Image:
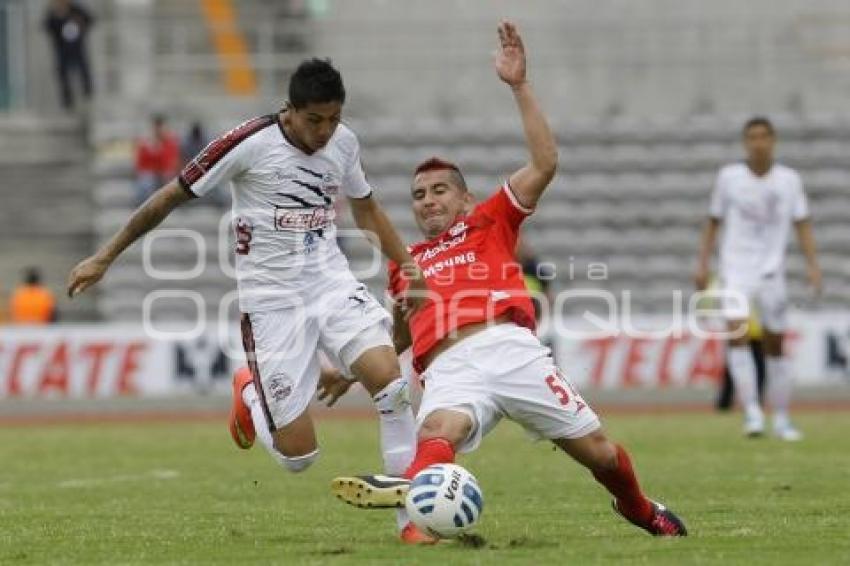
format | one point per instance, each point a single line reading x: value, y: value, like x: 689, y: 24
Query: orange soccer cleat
x: 241, y: 425
x: 411, y: 534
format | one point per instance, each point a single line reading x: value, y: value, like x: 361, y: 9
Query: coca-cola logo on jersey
x: 458, y: 231
x: 299, y: 219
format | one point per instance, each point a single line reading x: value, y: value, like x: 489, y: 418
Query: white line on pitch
x: 93, y: 482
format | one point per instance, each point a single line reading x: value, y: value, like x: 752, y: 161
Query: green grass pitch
x: 183, y: 494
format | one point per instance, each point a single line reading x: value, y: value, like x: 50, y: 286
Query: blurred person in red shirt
x: 157, y: 159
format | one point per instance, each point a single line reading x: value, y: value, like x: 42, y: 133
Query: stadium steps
x: 631, y: 198
x: 46, y: 216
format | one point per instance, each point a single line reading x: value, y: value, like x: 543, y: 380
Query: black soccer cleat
x: 371, y: 492
x: 664, y: 523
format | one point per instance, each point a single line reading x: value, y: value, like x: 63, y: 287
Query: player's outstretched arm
x: 709, y: 236
x: 371, y: 219
x: 401, y: 329
x: 529, y: 182
x: 146, y: 217
x: 807, y: 243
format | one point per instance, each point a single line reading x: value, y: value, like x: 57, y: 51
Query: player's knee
x: 454, y: 427
x: 297, y: 464
x: 595, y: 451
x: 606, y: 457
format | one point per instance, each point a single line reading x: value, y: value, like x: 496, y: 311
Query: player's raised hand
x: 85, y: 274
x: 510, y: 59
x: 332, y: 386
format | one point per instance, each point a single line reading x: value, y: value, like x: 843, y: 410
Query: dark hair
x: 315, y: 80
x: 32, y: 276
x: 759, y: 121
x: 437, y: 164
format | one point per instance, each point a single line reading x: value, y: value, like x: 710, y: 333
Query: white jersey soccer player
x: 296, y: 291
x: 757, y: 202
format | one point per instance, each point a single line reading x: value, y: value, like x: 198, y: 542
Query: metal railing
x: 13, y: 55
x: 181, y: 57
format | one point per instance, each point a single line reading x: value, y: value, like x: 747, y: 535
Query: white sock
x: 261, y: 426
x: 779, y: 385
x: 398, y: 432
x: 742, y: 366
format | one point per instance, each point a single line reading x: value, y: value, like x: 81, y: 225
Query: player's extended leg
x: 742, y: 367
x: 779, y: 385
x: 378, y: 370
x: 440, y: 434
x: 293, y: 445
x: 611, y: 466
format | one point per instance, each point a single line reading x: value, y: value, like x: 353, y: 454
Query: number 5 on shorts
x: 554, y: 382
x: 557, y: 389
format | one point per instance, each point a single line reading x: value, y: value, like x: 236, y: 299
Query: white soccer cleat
x: 784, y: 430
x: 753, y: 422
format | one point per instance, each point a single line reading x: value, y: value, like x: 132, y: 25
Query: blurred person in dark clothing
x: 538, y: 276
x: 67, y: 23
x: 194, y: 142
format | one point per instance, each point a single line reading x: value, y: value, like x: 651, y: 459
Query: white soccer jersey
x: 283, y: 209
x: 757, y: 213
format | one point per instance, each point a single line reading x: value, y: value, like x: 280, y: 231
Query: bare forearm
x: 807, y: 242
x: 709, y: 236
x: 401, y: 331
x: 144, y: 219
x: 538, y: 136
x: 373, y: 220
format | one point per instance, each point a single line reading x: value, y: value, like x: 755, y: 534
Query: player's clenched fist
x: 85, y: 274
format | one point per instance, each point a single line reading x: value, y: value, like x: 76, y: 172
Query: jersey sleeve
x: 394, y: 280
x: 218, y: 163
x: 719, y: 202
x: 354, y: 183
x: 504, y: 207
x: 800, y: 205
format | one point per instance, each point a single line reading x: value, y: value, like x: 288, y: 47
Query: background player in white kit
x: 296, y: 291
x: 757, y: 202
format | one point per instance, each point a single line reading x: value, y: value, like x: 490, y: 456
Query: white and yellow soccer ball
x: 444, y: 500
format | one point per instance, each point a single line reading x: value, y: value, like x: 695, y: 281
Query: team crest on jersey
x: 279, y: 386
x: 309, y: 239
x: 458, y: 229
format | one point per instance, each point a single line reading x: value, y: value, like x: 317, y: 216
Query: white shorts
x: 505, y: 371
x: 769, y: 294
x: 282, y: 346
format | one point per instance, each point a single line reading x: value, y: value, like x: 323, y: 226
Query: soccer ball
x: 444, y: 500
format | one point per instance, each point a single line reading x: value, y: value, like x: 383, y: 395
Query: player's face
x: 437, y: 201
x: 315, y: 123
x: 759, y: 143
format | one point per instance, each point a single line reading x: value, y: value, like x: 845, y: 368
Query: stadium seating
x: 632, y: 195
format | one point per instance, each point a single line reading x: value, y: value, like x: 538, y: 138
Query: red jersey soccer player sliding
x: 473, y: 339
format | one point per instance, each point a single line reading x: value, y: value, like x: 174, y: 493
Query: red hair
x: 435, y: 164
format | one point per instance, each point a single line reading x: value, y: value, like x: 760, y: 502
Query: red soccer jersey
x: 471, y: 272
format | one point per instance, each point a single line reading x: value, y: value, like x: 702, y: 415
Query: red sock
x: 430, y: 451
x: 623, y: 485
